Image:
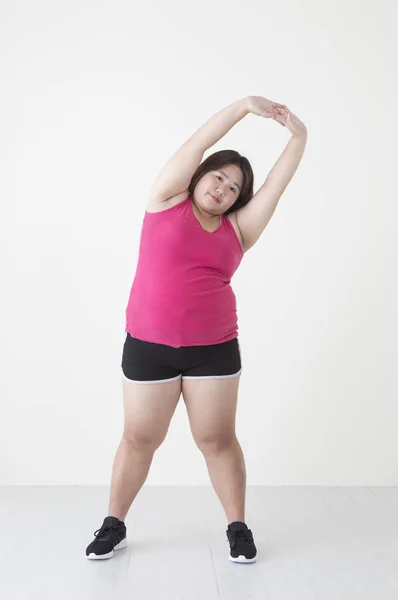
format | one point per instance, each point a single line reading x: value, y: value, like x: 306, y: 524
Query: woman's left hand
x: 291, y: 122
x: 258, y: 105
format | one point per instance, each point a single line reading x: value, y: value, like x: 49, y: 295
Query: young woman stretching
x: 181, y: 319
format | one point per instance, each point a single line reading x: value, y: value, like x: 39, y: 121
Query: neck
x: 204, y: 214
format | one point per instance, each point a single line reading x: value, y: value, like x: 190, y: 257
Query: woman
x: 181, y: 321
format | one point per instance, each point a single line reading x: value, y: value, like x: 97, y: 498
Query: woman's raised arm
x: 177, y: 173
x: 220, y: 123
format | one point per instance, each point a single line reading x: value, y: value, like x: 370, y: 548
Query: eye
x: 232, y: 188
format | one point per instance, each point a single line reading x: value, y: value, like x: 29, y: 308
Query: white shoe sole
x: 241, y: 559
x: 119, y: 546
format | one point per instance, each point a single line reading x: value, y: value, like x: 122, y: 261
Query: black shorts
x: 147, y: 362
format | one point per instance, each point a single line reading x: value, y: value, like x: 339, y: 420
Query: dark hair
x: 222, y: 158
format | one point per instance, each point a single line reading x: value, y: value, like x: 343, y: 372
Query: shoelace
x: 106, y: 533
x: 241, y: 534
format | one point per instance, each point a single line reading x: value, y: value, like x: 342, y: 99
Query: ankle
x: 117, y: 515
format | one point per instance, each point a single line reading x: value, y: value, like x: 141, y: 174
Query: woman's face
x: 222, y: 184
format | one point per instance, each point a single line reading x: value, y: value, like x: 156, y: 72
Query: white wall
x: 95, y: 97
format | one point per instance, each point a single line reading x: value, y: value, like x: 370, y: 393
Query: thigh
x: 210, y: 391
x: 151, y: 390
x: 148, y: 410
x: 211, y: 407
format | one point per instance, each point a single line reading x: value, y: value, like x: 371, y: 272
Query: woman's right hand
x: 258, y: 105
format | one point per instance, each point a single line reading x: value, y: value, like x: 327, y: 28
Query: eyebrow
x: 226, y: 177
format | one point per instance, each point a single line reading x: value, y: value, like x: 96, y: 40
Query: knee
x: 140, y: 440
x: 215, y: 444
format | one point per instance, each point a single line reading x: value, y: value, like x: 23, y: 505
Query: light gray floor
x: 314, y: 543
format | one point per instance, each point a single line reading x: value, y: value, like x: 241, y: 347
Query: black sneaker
x: 242, y: 548
x: 111, y: 536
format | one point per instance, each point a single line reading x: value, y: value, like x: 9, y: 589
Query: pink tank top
x: 181, y: 293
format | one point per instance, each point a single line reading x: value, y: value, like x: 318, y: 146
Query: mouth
x: 215, y: 199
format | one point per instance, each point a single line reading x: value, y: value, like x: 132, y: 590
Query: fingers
x: 277, y: 106
x: 281, y: 119
x: 278, y: 113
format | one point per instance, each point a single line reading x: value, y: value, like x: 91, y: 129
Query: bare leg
x: 226, y: 466
x: 147, y: 410
x: 130, y: 470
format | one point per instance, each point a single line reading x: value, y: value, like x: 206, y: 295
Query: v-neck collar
x: 200, y: 224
